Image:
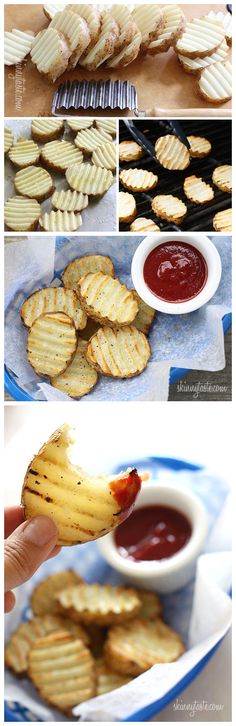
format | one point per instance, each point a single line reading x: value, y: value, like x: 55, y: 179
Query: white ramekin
x: 176, y: 571
x: 209, y: 252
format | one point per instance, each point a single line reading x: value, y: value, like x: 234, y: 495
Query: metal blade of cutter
x: 74, y: 95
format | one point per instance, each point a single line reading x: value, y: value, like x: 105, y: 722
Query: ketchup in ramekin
x: 153, y: 532
x: 175, y: 271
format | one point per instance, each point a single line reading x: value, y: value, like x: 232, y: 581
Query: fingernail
x: 40, y: 530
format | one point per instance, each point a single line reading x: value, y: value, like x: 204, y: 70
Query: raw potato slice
x: 128, y: 54
x: 92, y: 16
x: 17, y: 45
x: 51, y: 10
x: 43, y: 600
x: 151, y: 606
x: 89, y: 179
x: 21, y: 214
x: 107, y: 124
x: 199, y: 146
x: 130, y: 151
x: 46, y: 129
x: 24, y: 153
x: 58, y: 155
x: 197, y: 190
x: 171, y: 153
x: 68, y: 201
x: 172, y: 27
x: 105, y: 45
x: 52, y: 342
x: 50, y: 53
x: 126, y: 24
x: 215, y: 83
x: 149, y: 21
x: 222, y: 221
x: 108, y: 680
x: 77, y: 124
x: 60, y: 221
x: 79, y: 378
x: 8, y: 139
x: 82, y: 265
x: 127, y: 207
x: 145, y: 315
x: 141, y: 224
x: 201, y: 37
x: 119, y: 352
x: 196, y: 65
x: 76, y: 32
x: 222, y: 177
x: 63, y: 670
x: 34, y: 182
x: 99, y: 604
x: 138, y: 180
x: 20, y: 642
x: 105, y: 156
x: 89, y: 139
x: 135, y: 647
x: 84, y: 507
x: 106, y: 300
x: 170, y: 208
x: 226, y: 20
x: 53, y: 300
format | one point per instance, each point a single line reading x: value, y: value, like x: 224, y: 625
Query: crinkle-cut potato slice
x: 222, y: 177
x: 51, y: 344
x: 17, y: 45
x: 145, y: 315
x: 199, y: 146
x: 138, y: 180
x: 60, y: 221
x: 82, y: 265
x: 62, y: 669
x: 43, y: 600
x: 168, y: 207
x: 119, y: 352
x: 136, y: 646
x: 105, y: 156
x: 105, y: 45
x: 106, y: 300
x: 78, y: 124
x: 215, y: 83
x: 172, y: 27
x: 21, y: 214
x: 142, y: 224
x: 197, y: 190
x: 24, y: 153
x: 46, y: 129
x: 20, y: 642
x: 222, y: 221
x: 128, y: 54
x: 126, y: 207
x: 53, y: 300
x: 99, y: 604
x: 226, y: 20
x: 34, y: 182
x: 130, y: 151
x: 59, y: 155
x: 149, y: 20
x: 83, y: 507
x: 68, y: 201
x: 107, y: 124
x: 92, y: 16
x: 51, y: 10
x: 8, y: 139
x: 89, y: 139
x: 196, y: 65
x: 172, y: 153
x: 200, y: 37
x: 107, y: 679
x: 76, y: 32
x: 89, y: 179
x: 50, y: 53
x: 127, y: 25
x: 150, y: 605
x: 80, y: 377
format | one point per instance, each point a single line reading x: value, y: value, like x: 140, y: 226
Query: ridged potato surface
x: 21, y: 640
x: 99, y: 604
x: 51, y: 344
x: 119, y: 352
x: 83, y: 265
x: 79, y: 377
x: 43, y: 599
x: 106, y: 300
x: 134, y: 647
x: 53, y: 300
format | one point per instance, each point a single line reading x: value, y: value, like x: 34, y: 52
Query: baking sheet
x: 159, y: 80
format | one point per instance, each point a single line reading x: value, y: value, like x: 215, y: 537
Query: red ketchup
x: 152, y: 533
x: 125, y: 492
x: 175, y: 271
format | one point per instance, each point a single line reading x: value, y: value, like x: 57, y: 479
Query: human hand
x: 27, y: 544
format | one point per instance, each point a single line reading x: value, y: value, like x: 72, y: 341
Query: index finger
x: 13, y: 517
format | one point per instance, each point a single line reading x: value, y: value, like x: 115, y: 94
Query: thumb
x: 27, y: 547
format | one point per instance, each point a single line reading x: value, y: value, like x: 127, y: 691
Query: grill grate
x: 199, y: 217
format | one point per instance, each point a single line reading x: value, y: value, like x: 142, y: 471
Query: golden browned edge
x: 98, y: 318
x: 112, y: 274
x: 95, y: 365
x: 48, y: 313
x: 170, y: 218
x: 139, y: 189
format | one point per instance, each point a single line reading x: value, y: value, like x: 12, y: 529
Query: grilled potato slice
x: 82, y: 265
x: 138, y: 180
x: 89, y: 179
x: 197, y: 190
x: 119, y: 352
x: 142, y: 224
x: 127, y: 208
x: 130, y: 151
x: 63, y: 670
x: 199, y: 146
x: 53, y: 300
x: 222, y: 221
x: 20, y: 642
x: 151, y: 606
x: 98, y: 604
x: 222, y: 177
x: 43, y: 600
x: 107, y: 679
x: 136, y: 646
x: 83, y: 507
x: 170, y: 208
x: 145, y: 315
x: 106, y: 300
x: 52, y: 342
x: 80, y: 377
x: 171, y: 153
